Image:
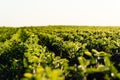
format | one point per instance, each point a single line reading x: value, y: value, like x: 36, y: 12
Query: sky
x: 59, y: 12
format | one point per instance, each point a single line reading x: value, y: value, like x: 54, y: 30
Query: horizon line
x: 63, y: 25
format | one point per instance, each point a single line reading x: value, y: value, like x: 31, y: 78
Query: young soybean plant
x: 99, y: 64
x: 44, y: 74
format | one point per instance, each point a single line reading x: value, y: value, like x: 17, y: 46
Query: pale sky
x: 59, y: 12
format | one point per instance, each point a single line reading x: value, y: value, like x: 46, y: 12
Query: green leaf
x: 28, y: 75
x: 107, y: 61
x: 88, y: 54
x: 113, y: 69
x: 91, y: 70
x: 83, y: 61
x: 104, y: 54
x: 118, y: 75
x: 95, y: 51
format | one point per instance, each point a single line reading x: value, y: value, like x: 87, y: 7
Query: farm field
x: 60, y: 53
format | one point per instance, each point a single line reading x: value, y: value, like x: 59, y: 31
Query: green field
x: 60, y: 53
